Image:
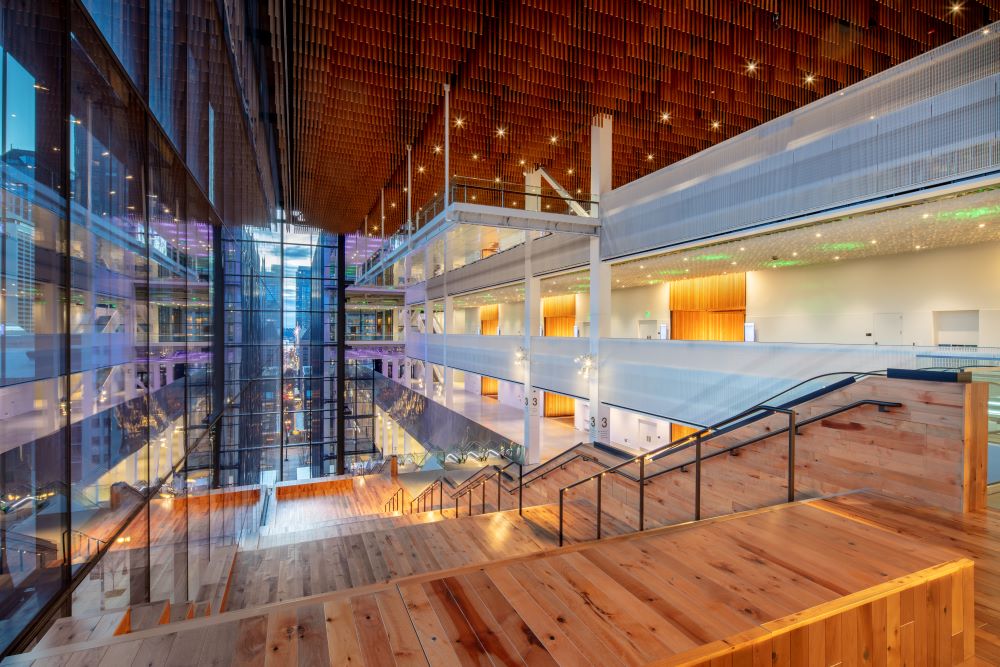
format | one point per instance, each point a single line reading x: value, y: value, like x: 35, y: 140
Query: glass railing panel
x: 451, y: 438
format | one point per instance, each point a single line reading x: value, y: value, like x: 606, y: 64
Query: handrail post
x: 600, y: 484
x: 520, y: 489
x: 697, y: 478
x: 456, y: 507
x: 483, y: 484
x: 791, y: 455
x: 469, y: 493
x: 561, y: 492
x: 498, y: 491
x: 642, y: 493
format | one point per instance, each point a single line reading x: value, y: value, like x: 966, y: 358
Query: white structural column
x: 447, y: 144
x: 395, y: 437
x: 532, y: 317
x: 532, y: 188
x: 409, y: 190
x: 446, y: 327
x: 600, y: 279
x: 600, y: 317
x: 600, y: 157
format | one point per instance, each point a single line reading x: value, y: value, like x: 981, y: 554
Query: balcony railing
x: 486, y: 193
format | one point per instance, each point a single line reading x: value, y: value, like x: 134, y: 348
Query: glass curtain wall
x: 119, y: 118
x: 281, y: 301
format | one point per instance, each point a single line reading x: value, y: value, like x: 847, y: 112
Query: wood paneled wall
x: 559, y: 315
x: 559, y: 326
x: 489, y: 319
x: 926, y: 452
x: 557, y: 405
x: 678, y: 431
x: 695, y: 325
x: 490, y: 386
x: 559, y: 306
x: 728, y: 292
x: 712, y: 308
x: 926, y: 618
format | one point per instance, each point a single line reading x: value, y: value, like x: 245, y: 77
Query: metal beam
x: 562, y: 192
x: 497, y: 216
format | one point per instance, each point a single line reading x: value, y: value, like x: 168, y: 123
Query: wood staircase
x: 758, y: 588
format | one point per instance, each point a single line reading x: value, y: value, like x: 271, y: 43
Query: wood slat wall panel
x: 557, y: 405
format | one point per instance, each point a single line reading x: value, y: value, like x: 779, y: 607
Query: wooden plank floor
x: 624, y: 601
x: 382, y: 550
x: 976, y: 536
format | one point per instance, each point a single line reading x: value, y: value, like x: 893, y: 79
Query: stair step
x: 148, y: 615
x: 80, y: 629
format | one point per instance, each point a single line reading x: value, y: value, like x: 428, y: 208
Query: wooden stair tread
x: 73, y: 629
x: 148, y: 615
x: 630, y: 600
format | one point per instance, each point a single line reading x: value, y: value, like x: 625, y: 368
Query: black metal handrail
x: 395, y: 501
x: 731, y: 450
x: 466, y: 488
x: 421, y: 498
x: 696, y: 440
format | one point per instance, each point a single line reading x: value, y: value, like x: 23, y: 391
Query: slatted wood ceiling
x: 367, y: 81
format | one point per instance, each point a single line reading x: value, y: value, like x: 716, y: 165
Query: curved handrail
x: 696, y: 439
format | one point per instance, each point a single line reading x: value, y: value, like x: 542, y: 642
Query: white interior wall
x: 625, y: 430
x: 510, y: 393
x: 583, y: 313
x: 581, y: 415
x: 628, y: 306
x: 512, y: 319
x: 837, y: 302
x: 473, y: 383
x: 467, y: 320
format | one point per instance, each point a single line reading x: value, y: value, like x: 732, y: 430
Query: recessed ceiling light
x: 570, y: 171
x: 751, y: 67
x: 925, y: 216
x: 641, y: 266
x: 818, y: 235
x: 553, y: 139
x: 810, y: 79
x: 437, y: 149
x: 521, y: 162
x: 795, y: 254
x: 475, y: 156
x: 955, y: 8
x: 665, y: 116
x: 733, y: 263
x: 459, y: 122
x: 917, y: 247
x: 715, y: 125
x: 501, y: 132
x: 420, y: 170
x: 742, y: 249
x: 649, y: 156
x: 982, y: 224
x: 836, y: 258
x: 874, y: 241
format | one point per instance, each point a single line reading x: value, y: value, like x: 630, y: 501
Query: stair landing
x: 794, y: 585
